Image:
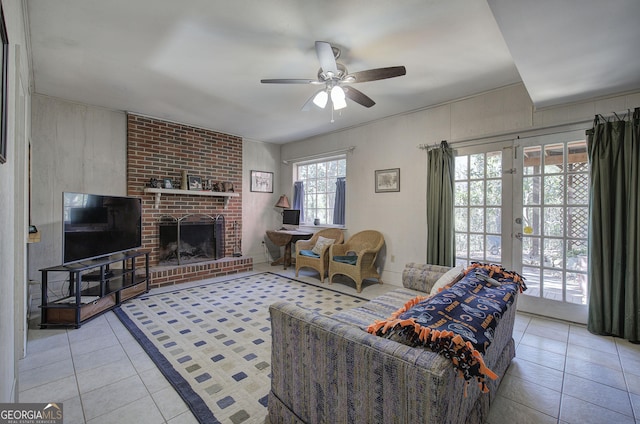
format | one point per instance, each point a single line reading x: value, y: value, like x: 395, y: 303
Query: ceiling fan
x: 335, y: 79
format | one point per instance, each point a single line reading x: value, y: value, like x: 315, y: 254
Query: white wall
x: 13, y: 209
x: 258, y: 211
x: 76, y: 148
x: 392, y: 143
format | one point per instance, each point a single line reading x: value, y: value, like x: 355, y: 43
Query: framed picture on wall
x: 4, y: 66
x: 195, y: 183
x: 387, y: 180
x: 262, y: 181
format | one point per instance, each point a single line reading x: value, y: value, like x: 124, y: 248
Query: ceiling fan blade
x: 376, y: 74
x: 290, y: 81
x: 358, y: 97
x: 326, y: 57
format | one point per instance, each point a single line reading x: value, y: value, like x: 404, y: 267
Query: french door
x: 524, y: 204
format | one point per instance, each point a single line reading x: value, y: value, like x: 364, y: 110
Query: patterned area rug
x: 213, y: 341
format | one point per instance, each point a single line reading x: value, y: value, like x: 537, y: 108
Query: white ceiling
x: 200, y: 62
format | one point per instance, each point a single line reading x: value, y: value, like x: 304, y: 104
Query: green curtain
x: 614, y: 234
x: 440, y: 226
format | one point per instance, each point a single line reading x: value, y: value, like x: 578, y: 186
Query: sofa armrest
x: 421, y: 277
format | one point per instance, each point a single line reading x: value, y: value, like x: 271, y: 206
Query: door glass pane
x: 476, y: 193
x: 462, y: 168
x: 478, y: 213
x: 531, y: 190
x: 494, y: 220
x: 577, y: 222
x: 476, y: 247
x: 532, y: 277
x: 476, y: 166
x: 461, y: 219
x: 531, y: 251
x: 532, y: 160
x: 462, y: 245
x: 553, y: 222
x: 476, y: 221
x: 494, y: 192
x: 462, y: 193
x: 494, y: 165
x: 553, y: 284
x: 531, y: 220
x: 553, y: 158
x: 555, y: 190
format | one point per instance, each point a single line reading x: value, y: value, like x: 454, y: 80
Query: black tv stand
x: 95, y: 287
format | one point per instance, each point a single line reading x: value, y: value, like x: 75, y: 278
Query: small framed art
x: 262, y: 181
x: 195, y: 183
x: 387, y: 180
x: 166, y: 183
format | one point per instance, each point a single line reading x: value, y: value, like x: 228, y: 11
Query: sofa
x: 329, y: 369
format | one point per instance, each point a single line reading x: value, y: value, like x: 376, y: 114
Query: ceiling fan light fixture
x: 320, y: 99
x: 338, y: 98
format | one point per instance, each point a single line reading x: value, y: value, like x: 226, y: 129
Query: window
x: 319, y: 182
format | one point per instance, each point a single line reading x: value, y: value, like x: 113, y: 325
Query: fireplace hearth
x: 190, y: 239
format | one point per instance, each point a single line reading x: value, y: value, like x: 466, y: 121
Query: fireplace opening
x: 191, y: 238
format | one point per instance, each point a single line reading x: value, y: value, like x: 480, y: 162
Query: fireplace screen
x: 190, y: 239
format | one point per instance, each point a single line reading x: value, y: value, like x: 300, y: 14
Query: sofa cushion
x: 459, y: 321
x: 448, y: 278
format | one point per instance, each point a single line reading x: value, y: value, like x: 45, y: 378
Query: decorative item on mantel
x: 183, y: 181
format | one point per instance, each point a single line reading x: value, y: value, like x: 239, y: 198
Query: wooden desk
x: 286, y: 238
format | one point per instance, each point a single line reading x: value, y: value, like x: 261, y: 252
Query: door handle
x: 518, y: 236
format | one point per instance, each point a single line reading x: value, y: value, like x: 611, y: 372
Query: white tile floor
x: 561, y: 374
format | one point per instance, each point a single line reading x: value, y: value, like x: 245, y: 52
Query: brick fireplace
x: 160, y: 149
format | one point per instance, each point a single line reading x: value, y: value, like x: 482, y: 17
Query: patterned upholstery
x: 320, y: 263
x: 422, y: 277
x: 329, y: 369
x: 366, y: 245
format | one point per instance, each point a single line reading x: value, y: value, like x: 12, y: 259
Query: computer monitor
x: 290, y: 218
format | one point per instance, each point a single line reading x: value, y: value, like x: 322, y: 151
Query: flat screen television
x: 96, y: 225
x: 291, y: 217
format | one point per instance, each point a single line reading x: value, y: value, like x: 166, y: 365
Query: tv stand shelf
x: 94, y: 287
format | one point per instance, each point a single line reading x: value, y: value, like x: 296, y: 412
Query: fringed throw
x: 459, y: 321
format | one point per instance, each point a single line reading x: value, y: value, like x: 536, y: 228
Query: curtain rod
x: 319, y: 155
x: 431, y: 146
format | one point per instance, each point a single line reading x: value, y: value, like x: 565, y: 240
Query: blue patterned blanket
x: 459, y: 321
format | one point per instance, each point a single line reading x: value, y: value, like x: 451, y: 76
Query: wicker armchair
x: 366, y: 245
x: 321, y: 262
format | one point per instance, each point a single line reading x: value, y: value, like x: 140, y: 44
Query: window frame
x: 329, y: 188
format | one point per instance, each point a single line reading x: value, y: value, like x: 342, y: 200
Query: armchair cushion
x: 309, y: 253
x: 349, y: 259
x: 321, y: 244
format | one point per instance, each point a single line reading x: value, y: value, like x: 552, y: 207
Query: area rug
x: 213, y: 341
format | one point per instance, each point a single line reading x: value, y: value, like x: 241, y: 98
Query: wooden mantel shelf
x: 160, y: 191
